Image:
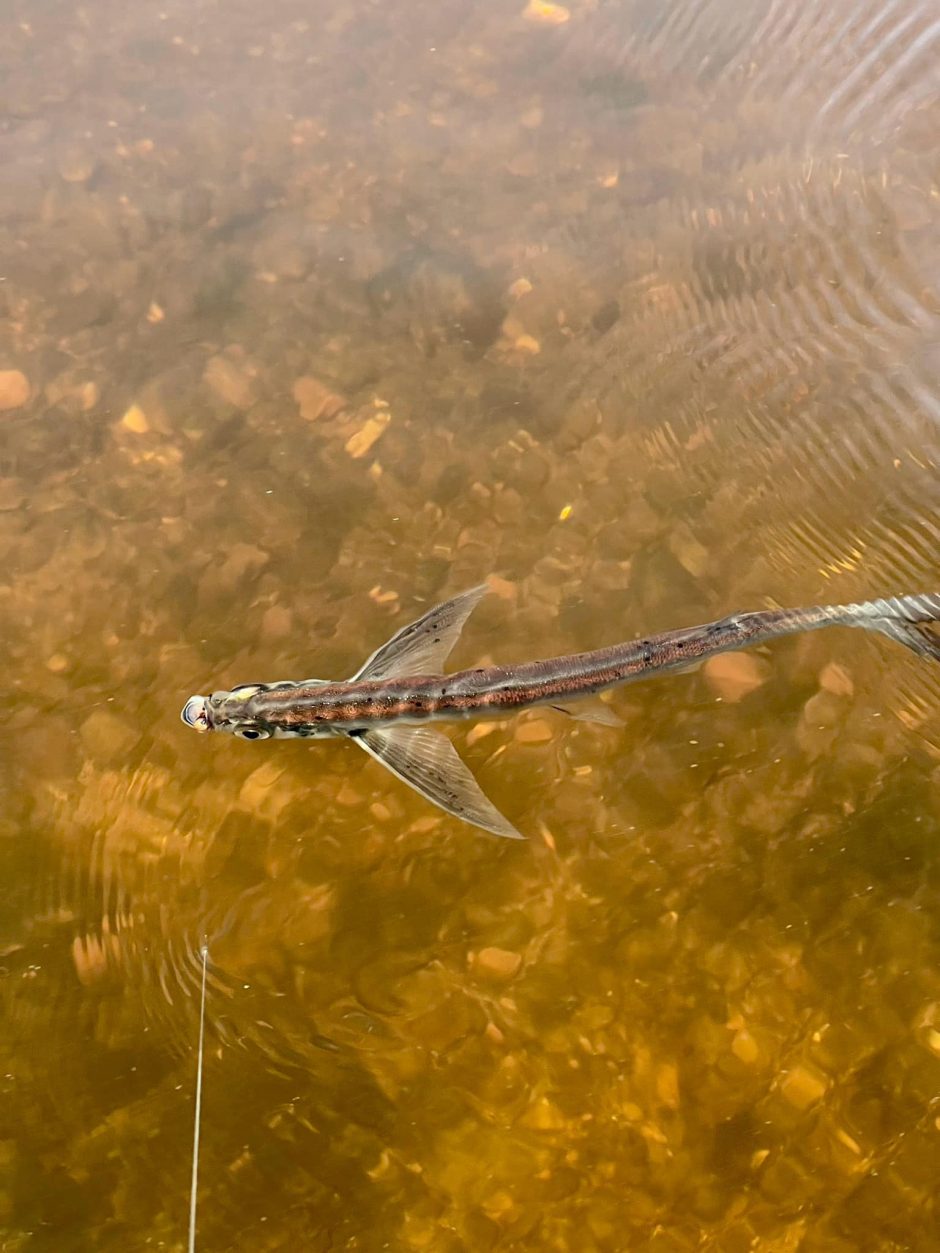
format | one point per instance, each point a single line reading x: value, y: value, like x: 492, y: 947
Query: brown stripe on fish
x: 402, y: 686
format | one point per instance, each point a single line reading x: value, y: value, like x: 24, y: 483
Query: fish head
x: 227, y: 711
x: 195, y: 713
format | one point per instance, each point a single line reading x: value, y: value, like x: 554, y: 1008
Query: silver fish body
x: 388, y: 705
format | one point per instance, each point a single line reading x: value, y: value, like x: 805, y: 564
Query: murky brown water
x: 314, y: 313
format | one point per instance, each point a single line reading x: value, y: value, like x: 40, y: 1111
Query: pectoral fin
x: 428, y: 762
x: 423, y: 646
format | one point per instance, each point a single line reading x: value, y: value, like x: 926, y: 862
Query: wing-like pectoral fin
x: 427, y: 761
x: 423, y: 646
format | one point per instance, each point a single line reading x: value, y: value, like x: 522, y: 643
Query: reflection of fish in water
x: 383, y: 706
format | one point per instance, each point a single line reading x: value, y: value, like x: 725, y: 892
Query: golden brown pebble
x: 231, y: 380
x: 372, y: 430
x: 732, y: 676
x: 135, y: 420
x: 14, y: 389
x: 500, y: 964
x: 545, y: 13
x: 315, y: 400
x: 543, y: 1115
x: 803, y: 1087
x: 534, y: 731
x: 837, y: 680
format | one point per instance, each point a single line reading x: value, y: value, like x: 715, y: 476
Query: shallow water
x: 313, y: 314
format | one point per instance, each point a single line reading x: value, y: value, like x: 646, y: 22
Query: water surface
x: 313, y: 314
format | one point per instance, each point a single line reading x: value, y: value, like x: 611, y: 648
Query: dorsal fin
x: 423, y: 646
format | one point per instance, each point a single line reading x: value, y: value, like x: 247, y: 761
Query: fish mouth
x: 195, y: 714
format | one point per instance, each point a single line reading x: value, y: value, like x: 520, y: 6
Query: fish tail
x: 906, y: 619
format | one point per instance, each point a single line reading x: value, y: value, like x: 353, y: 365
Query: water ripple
x: 841, y: 76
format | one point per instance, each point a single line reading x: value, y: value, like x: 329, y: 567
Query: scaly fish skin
x: 387, y: 705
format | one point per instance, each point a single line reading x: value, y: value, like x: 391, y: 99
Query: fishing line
x: 197, y: 1119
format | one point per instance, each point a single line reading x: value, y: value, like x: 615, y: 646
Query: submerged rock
x: 498, y: 964
x: 232, y: 380
x: 106, y: 737
x: 732, y: 676
x: 316, y: 400
x: 14, y: 389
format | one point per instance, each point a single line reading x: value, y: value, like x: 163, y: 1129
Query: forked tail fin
x: 907, y: 619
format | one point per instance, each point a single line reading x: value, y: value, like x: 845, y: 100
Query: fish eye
x: 251, y: 733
